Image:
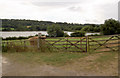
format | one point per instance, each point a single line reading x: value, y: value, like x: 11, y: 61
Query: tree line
x: 35, y: 25
x: 55, y: 29
x: 109, y: 27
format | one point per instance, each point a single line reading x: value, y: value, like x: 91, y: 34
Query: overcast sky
x: 71, y: 11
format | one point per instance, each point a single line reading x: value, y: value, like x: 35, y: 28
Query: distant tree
x: 88, y: 29
x: 6, y: 29
x: 55, y: 31
x: 97, y: 29
x: 85, y: 28
x: 22, y: 25
x: 110, y: 27
x: 78, y: 34
x: 76, y: 27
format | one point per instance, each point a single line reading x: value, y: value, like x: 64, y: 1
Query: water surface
x: 5, y: 34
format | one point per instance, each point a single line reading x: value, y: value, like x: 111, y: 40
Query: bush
x: 13, y: 48
x: 66, y: 35
x: 19, y: 38
x: 55, y: 31
x: 18, y: 46
x: 78, y: 34
x: 110, y: 27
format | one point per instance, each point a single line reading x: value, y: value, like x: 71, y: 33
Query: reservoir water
x: 24, y: 33
x: 5, y: 34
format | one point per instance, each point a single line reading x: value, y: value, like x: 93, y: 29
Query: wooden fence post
x: 88, y: 48
x: 24, y: 45
x: 119, y: 45
x: 39, y: 34
x: 7, y: 44
x: 67, y: 44
x: 86, y: 44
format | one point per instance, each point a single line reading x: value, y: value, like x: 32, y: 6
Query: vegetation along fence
x: 70, y: 44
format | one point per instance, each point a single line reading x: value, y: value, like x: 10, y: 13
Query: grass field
x: 59, y: 58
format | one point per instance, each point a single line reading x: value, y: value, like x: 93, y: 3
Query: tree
x: 55, y: 31
x: 78, y: 34
x: 97, y: 29
x: 22, y: 25
x: 88, y: 28
x: 66, y: 35
x: 110, y: 27
x: 76, y: 27
x: 85, y: 28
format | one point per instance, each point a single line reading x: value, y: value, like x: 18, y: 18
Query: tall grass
x: 17, y: 46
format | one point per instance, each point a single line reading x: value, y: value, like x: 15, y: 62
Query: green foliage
x: 55, y: 31
x: 76, y: 28
x: 97, y: 29
x: 34, y: 25
x: 78, y: 34
x: 66, y: 35
x: 21, y: 46
x: 110, y: 27
x: 4, y: 48
x: 85, y: 28
x: 91, y: 28
x: 13, y: 48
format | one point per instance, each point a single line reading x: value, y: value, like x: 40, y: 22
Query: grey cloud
x: 109, y: 10
x: 73, y: 8
x: 53, y: 4
x: 93, y: 20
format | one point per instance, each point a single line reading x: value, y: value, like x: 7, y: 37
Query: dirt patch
x: 37, y: 70
x: 88, y: 67
x: 5, y: 60
x: 81, y: 67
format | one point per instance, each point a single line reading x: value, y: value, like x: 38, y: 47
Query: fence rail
x: 103, y: 43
